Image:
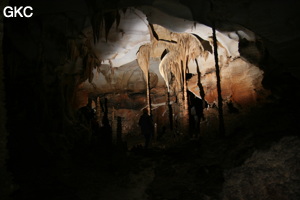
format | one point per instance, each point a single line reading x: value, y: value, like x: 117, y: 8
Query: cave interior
x: 220, y: 80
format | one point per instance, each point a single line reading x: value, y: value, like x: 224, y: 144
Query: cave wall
x: 6, y: 184
x: 38, y: 95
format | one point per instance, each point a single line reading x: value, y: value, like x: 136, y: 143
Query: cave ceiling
x: 277, y: 22
x: 147, y: 39
x: 109, y: 54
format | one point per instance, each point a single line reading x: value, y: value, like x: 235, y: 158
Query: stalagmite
x: 98, y: 111
x: 113, y: 124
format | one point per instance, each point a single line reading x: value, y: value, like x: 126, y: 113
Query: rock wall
x: 6, y: 185
x: 241, y: 83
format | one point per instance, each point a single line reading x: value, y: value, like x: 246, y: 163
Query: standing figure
x: 147, y: 127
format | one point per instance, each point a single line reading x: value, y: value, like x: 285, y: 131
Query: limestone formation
x: 141, y: 57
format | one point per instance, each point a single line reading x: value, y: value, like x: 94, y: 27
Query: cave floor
x: 181, y: 172
x: 188, y: 168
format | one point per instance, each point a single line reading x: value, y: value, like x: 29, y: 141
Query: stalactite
x: 220, y: 100
x: 183, y: 43
x: 97, y: 23
x: 89, y: 67
x: 171, y: 64
x: 118, y: 18
x: 185, y: 85
x: 165, y: 73
x: 201, y: 89
x: 90, y: 62
x: 73, y: 51
x: 187, y: 47
x: 180, y: 48
x: 109, y: 19
x: 106, y: 19
x: 143, y: 58
x: 149, y: 96
x: 190, y: 48
x: 178, y: 51
x: 124, y: 10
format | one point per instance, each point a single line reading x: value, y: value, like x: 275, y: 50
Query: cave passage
x: 77, y: 78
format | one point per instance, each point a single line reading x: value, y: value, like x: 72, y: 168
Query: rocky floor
x: 253, y: 163
x: 193, y: 169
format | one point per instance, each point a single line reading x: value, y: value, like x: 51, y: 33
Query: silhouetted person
x: 86, y: 114
x: 106, y: 128
x: 196, y: 118
x: 147, y: 127
x: 196, y: 112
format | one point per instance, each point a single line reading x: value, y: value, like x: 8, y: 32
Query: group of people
x: 87, y: 116
x: 145, y: 122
